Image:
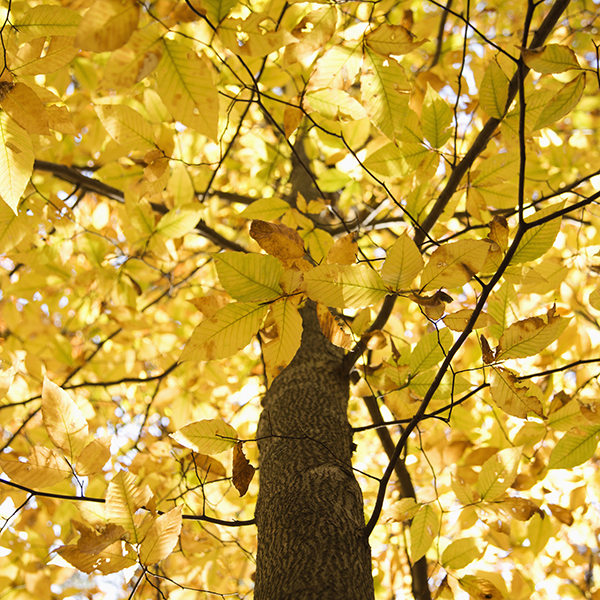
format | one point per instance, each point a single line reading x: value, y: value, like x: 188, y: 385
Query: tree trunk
x: 309, y: 513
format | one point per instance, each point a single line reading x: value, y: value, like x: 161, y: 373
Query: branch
x: 418, y: 570
x: 75, y: 176
x: 102, y: 501
x: 485, y: 135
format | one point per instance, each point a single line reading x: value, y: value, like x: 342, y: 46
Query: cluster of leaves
x: 188, y: 175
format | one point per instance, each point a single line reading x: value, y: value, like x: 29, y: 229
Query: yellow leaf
x: 384, y: 90
x: 343, y: 251
x: 457, y: 321
x: 123, y: 499
x: 24, y: 106
x: 107, y: 25
x: 553, y: 58
x: 337, y: 68
x: 248, y: 37
x: 180, y: 220
x: 402, y: 264
x: 161, y: 537
x: 460, y: 553
x: 436, y: 118
x: 64, y: 422
x: 530, y: 336
x: 423, y: 530
x: 135, y: 60
x: 562, y: 103
x: 498, y: 473
x: 277, y: 239
x: 286, y: 333
x: 44, y: 468
x: 243, y: 471
x: 126, y: 126
x: 207, y: 437
x: 515, y: 397
x: 116, y: 557
x: 452, y: 265
x: 392, y: 39
x: 59, y: 119
x: 493, y: 93
x: 249, y: 277
x: 345, y: 286
x: 34, y: 58
x: 227, y: 331
x: 16, y: 161
x: 93, y: 457
x: 186, y: 87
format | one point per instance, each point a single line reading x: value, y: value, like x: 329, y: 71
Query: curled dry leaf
x: 243, y: 471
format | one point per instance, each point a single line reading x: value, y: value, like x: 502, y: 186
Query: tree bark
x: 309, y: 514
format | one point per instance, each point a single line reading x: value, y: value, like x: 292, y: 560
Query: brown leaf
x: 499, y: 231
x: 562, y: 514
x: 278, y: 240
x: 521, y: 509
x: 243, y: 471
x: 333, y: 330
x: 488, y: 354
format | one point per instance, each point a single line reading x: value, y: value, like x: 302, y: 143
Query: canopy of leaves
x: 177, y: 179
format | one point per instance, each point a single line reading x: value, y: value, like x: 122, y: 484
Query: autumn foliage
x: 179, y: 179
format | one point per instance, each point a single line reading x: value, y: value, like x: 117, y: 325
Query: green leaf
x: 387, y: 160
x: 493, y: 93
x: 552, y: 58
x: 461, y: 553
x: 562, y: 102
x: 180, y: 220
x: 126, y: 126
x: 332, y: 103
x: 384, y: 90
x: 16, y: 161
x: 318, y: 242
x: 47, y: 20
x: 538, y: 240
x: 498, y: 473
x: 285, y: 337
x: 218, y: 9
x: 227, y: 331
x: 266, y: 209
x: 454, y: 264
x: 249, y: 277
x: 186, y: 87
x: 450, y: 386
x: 436, y: 118
x: 345, y: 286
x: 502, y: 307
x: 565, y: 418
x: 430, y: 350
x: 423, y: 530
x: 13, y: 227
x: 575, y: 447
x: 402, y: 264
x: 207, y: 437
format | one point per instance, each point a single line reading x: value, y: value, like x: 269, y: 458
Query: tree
x: 352, y: 244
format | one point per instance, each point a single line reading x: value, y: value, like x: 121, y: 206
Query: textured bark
x: 310, y: 518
